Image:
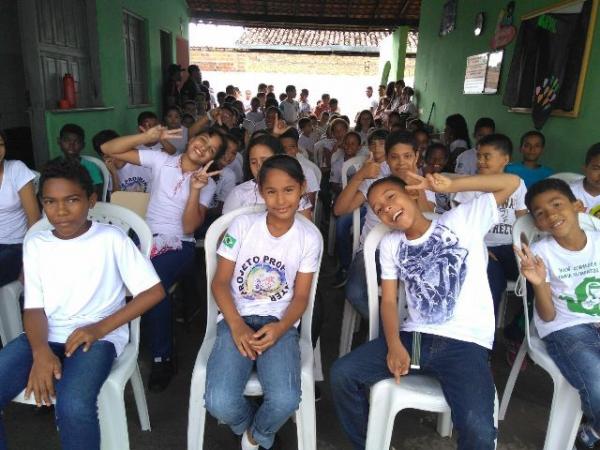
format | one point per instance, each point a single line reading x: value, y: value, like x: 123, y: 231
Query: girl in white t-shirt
x: 18, y: 211
x: 260, y: 148
x: 262, y: 284
x: 588, y: 188
x: 182, y: 189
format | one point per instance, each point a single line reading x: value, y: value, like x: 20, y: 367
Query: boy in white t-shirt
x: 493, y: 154
x: 75, y: 315
x: 400, y: 160
x: 466, y: 162
x: 564, y: 270
x: 450, y: 308
x: 147, y: 120
x: 290, y: 108
x: 588, y: 188
x: 182, y: 190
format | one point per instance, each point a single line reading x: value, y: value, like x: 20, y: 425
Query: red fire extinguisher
x: 69, y: 90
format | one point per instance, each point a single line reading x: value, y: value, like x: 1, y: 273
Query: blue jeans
x: 343, y: 237
x: 278, y: 370
x: 83, y: 374
x: 356, y: 287
x: 157, y: 321
x: 461, y: 368
x: 11, y: 262
x: 500, y: 271
x: 576, y: 352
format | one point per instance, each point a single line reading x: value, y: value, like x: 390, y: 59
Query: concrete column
x: 399, y: 41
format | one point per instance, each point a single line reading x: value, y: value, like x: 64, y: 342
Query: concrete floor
x: 523, y: 429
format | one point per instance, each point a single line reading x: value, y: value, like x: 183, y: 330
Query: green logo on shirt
x: 229, y: 240
x: 587, y: 299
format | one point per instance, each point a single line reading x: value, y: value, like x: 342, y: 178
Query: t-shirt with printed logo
x: 444, y: 273
x: 591, y: 203
x: 266, y: 266
x: 574, y: 278
x: 501, y: 232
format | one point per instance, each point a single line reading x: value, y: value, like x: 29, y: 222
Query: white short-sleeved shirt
x: 247, y: 194
x: 444, y: 273
x: 290, y: 111
x: 457, y: 143
x: 170, y: 191
x: 574, y: 278
x: 501, y: 232
x: 466, y: 163
x: 306, y: 143
x: 591, y: 203
x: 81, y: 281
x: 266, y: 266
x: 13, y: 220
x: 225, y: 185
x: 255, y: 116
x: 312, y: 184
x: 134, y: 178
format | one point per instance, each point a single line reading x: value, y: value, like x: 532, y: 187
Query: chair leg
x: 565, y: 416
x: 318, y: 370
x: 306, y: 427
x: 444, y: 424
x: 502, y: 310
x: 140, y: 398
x: 381, y: 418
x: 348, y: 326
x: 331, y: 236
x: 196, y: 414
x: 113, y: 419
x: 512, y: 379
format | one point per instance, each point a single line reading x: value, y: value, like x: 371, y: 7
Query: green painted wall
x: 440, y: 71
x: 399, y: 42
x: 158, y: 15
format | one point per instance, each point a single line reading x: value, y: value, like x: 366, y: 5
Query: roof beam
x: 285, y: 21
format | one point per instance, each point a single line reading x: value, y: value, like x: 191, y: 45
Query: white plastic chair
x: 11, y: 324
x: 568, y: 177
x: 565, y: 410
x: 135, y: 201
x: 111, y: 401
x: 317, y: 208
x: 511, y: 286
x: 350, y: 319
x: 414, y: 391
x: 105, y: 174
x: 305, y: 415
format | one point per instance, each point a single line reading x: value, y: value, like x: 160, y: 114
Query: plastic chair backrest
x: 135, y: 201
x: 569, y: 177
x: 370, y: 246
x: 211, y: 243
x: 525, y: 230
x: 105, y: 174
x: 313, y: 167
x: 124, y: 219
x: 353, y: 163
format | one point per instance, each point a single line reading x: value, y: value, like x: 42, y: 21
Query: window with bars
x: 136, y: 50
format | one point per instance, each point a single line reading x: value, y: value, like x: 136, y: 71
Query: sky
x: 206, y: 35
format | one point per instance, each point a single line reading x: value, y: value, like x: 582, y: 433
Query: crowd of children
x: 213, y: 154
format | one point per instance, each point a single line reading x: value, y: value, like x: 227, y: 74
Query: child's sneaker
x: 586, y: 437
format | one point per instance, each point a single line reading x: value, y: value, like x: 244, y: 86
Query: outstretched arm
x: 123, y: 148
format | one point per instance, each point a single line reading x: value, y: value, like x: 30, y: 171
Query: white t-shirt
x: 457, y: 143
x: 574, y: 278
x: 246, y: 194
x: 13, y: 221
x: 266, y: 266
x: 225, y: 185
x: 134, y: 178
x: 170, y: 191
x: 371, y: 103
x: 319, y: 149
x: 444, y: 273
x: 157, y: 147
x: 180, y: 143
x: 290, y: 111
x: 409, y: 108
x: 501, y: 232
x: 591, y: 203
x: 237, y: 165
x: 305, y: 109
x: 255, y: 116
x: 312, y: 184
x: 466, y: 163
x: 307, y: 144
x: 81, y: 281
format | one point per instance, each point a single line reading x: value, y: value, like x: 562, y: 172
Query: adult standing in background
x: 171, y: 96
x: 193, y: 85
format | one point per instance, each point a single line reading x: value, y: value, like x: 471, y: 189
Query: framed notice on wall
x: 482, y: 74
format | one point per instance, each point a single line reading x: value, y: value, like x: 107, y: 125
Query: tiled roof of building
x: 263, y: 37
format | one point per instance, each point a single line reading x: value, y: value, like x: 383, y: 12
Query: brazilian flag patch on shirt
x: 229, y: 240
